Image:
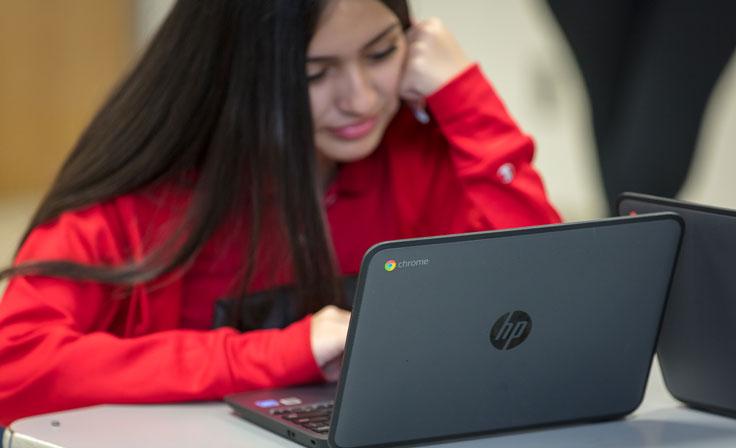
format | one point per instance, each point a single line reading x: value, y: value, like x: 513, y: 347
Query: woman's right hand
x: 328, y: 333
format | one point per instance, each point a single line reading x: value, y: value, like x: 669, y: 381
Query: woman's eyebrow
x: 381, y: 35
x: 368, y: 44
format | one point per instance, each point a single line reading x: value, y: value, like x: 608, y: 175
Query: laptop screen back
x: 483, y: 332
x: 697, y: 352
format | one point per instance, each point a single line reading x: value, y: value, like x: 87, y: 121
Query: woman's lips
x: 356, y: 130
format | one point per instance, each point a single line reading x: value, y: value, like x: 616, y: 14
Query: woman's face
x: 354, y: 66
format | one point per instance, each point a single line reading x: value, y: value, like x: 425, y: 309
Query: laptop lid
x: 470, y: 334
x: 696, y: 351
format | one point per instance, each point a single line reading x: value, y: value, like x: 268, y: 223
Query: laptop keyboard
x: 315, y: 417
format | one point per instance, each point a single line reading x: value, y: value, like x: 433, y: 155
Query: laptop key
x: 313, y: 414
x: 316, y: 423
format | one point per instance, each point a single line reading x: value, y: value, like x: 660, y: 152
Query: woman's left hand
x: 433, y: 59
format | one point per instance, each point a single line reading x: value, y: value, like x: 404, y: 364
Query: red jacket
x: 66, y: 344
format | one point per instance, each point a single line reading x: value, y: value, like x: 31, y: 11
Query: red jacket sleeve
x: 489, y: 181
x: 66, y: 344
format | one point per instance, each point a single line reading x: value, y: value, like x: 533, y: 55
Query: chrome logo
x: 390, y: 265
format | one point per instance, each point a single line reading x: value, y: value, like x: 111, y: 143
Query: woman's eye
x: 316, y: 75
x: 380, y: 55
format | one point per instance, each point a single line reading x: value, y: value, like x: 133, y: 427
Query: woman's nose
x: 357, y: 95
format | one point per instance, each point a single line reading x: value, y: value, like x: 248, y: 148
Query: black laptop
x: 697, y: 347
x: 472, y: 334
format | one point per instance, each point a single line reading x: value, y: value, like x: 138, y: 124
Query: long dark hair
x: 220, y: 92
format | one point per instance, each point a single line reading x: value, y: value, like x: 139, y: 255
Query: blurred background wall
x: 59, y: 58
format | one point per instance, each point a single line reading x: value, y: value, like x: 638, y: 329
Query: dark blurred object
x: 276, y: 308
x: 649, y: 67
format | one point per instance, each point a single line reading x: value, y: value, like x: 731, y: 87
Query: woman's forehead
x: 347, y: 26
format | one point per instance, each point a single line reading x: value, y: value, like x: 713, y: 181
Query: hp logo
x: 510, y: 330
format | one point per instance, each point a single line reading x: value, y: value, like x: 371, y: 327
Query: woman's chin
x: 345, y: 151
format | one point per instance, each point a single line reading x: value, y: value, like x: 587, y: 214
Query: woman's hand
x: 434, y: 58
x: 328, y: 333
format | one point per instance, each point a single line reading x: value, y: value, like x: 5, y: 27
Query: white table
x: 659, y: 422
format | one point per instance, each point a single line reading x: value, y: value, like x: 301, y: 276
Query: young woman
x: 256, y: 144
